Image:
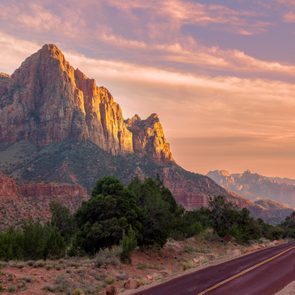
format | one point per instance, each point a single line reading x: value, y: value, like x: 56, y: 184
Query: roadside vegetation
x: 119, y: 218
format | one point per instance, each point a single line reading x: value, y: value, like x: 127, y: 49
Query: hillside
x: 21, y: 201
x: 270, y: 211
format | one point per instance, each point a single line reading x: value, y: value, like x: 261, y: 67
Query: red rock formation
x: 24, y: 201
x: 191, y: 194
x: 46, y: 101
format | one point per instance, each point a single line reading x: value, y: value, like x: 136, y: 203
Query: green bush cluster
x: 32, y: 241
x: 229, y: 220
x: 288, y: 226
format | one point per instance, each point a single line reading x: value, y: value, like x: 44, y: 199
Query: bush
x: 33, y: 241
x: 108, y: 256
x: 128, y: 244
x: 227, y: 219
x: 288, y: 226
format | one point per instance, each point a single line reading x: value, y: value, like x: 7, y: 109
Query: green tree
x: 55, y: 245
x: 228, y: 219
x: 158, y: 211
x: 63, y: 220
x: 288, y: 226
x: 103, y: 219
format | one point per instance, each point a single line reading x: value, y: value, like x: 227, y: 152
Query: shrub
x: 12, y: 289
x: 108, y: 256
x: 33, y: 241
x: 142, y: 266
x: 128, y: 244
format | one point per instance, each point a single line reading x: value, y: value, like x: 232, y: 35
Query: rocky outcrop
x: 24, y: 201
x: 149, y: 138
x: 46, y: 101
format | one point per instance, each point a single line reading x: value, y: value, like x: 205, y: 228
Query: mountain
x: 274, y: 197
x: 254, y: 186
x: 22, y: 201
x: 46, y: 101
x: 57, y: 126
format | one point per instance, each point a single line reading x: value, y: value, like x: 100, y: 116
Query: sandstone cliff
x: 24, y: 201
x: 46, y: 101
x: 149, y: 138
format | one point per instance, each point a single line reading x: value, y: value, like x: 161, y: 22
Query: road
x: 261, y: 273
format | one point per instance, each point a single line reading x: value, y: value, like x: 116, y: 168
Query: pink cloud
x: 178, y: 13
x: 289, y: 17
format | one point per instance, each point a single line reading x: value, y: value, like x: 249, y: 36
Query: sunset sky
x: 220, y: 74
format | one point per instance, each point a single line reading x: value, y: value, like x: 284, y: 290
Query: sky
x: 220, y: 74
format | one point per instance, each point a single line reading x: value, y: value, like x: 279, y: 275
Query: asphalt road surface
x: 261, y: 273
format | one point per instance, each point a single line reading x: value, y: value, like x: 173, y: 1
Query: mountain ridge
x: 254, y: 186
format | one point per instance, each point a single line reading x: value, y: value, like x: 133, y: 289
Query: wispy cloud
x: 187, y: 12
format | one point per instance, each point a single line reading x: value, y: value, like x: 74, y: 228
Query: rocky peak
x: 149, y: 138
x: 47, y: 101
x: 4, y: 76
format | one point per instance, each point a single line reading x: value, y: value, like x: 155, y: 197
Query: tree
x: 192, y: 223
x: 228, y: 219
x: 289, y: 226
x: 63, y: 220
x: 222, y: 215
x: 103, y: 219
x: 157, y: 211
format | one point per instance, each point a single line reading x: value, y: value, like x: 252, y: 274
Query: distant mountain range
x: 254, y: 186
x: 273, y: 197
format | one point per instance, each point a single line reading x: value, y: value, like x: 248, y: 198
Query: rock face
x: 24, y: 201
x: 46, y: 101
x: 148, y: 137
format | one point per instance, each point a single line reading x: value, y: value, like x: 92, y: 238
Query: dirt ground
x: 83, y: 276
